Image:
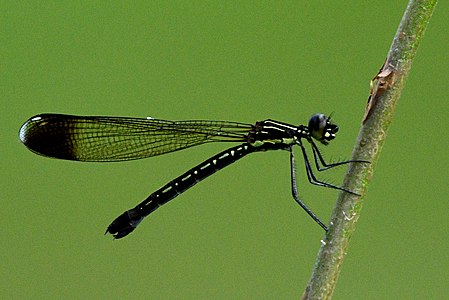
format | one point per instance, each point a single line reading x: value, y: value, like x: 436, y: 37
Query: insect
x: 105, y: 139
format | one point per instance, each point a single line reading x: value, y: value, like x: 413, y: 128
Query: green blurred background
x: 238, y: 234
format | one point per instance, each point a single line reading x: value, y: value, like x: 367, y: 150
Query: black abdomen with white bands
x: 129, y: 220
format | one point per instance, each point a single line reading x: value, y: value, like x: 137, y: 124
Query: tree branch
x: 386, y: 89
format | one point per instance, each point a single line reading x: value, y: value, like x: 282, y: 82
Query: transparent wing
x: 120, y: 138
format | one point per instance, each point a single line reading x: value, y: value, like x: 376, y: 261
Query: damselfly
x: 93, y: 138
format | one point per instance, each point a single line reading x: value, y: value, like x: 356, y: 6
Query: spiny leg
x: 295, y: 191
x: 311, y: 176
x: 318, y: 157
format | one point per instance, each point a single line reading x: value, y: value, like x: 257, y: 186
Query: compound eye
x: 321, y: 128
x: 317, y: 124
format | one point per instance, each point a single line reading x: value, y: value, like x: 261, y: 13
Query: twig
x: 386, y: 88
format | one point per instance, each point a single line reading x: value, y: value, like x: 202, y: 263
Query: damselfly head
x: 322, y: 129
